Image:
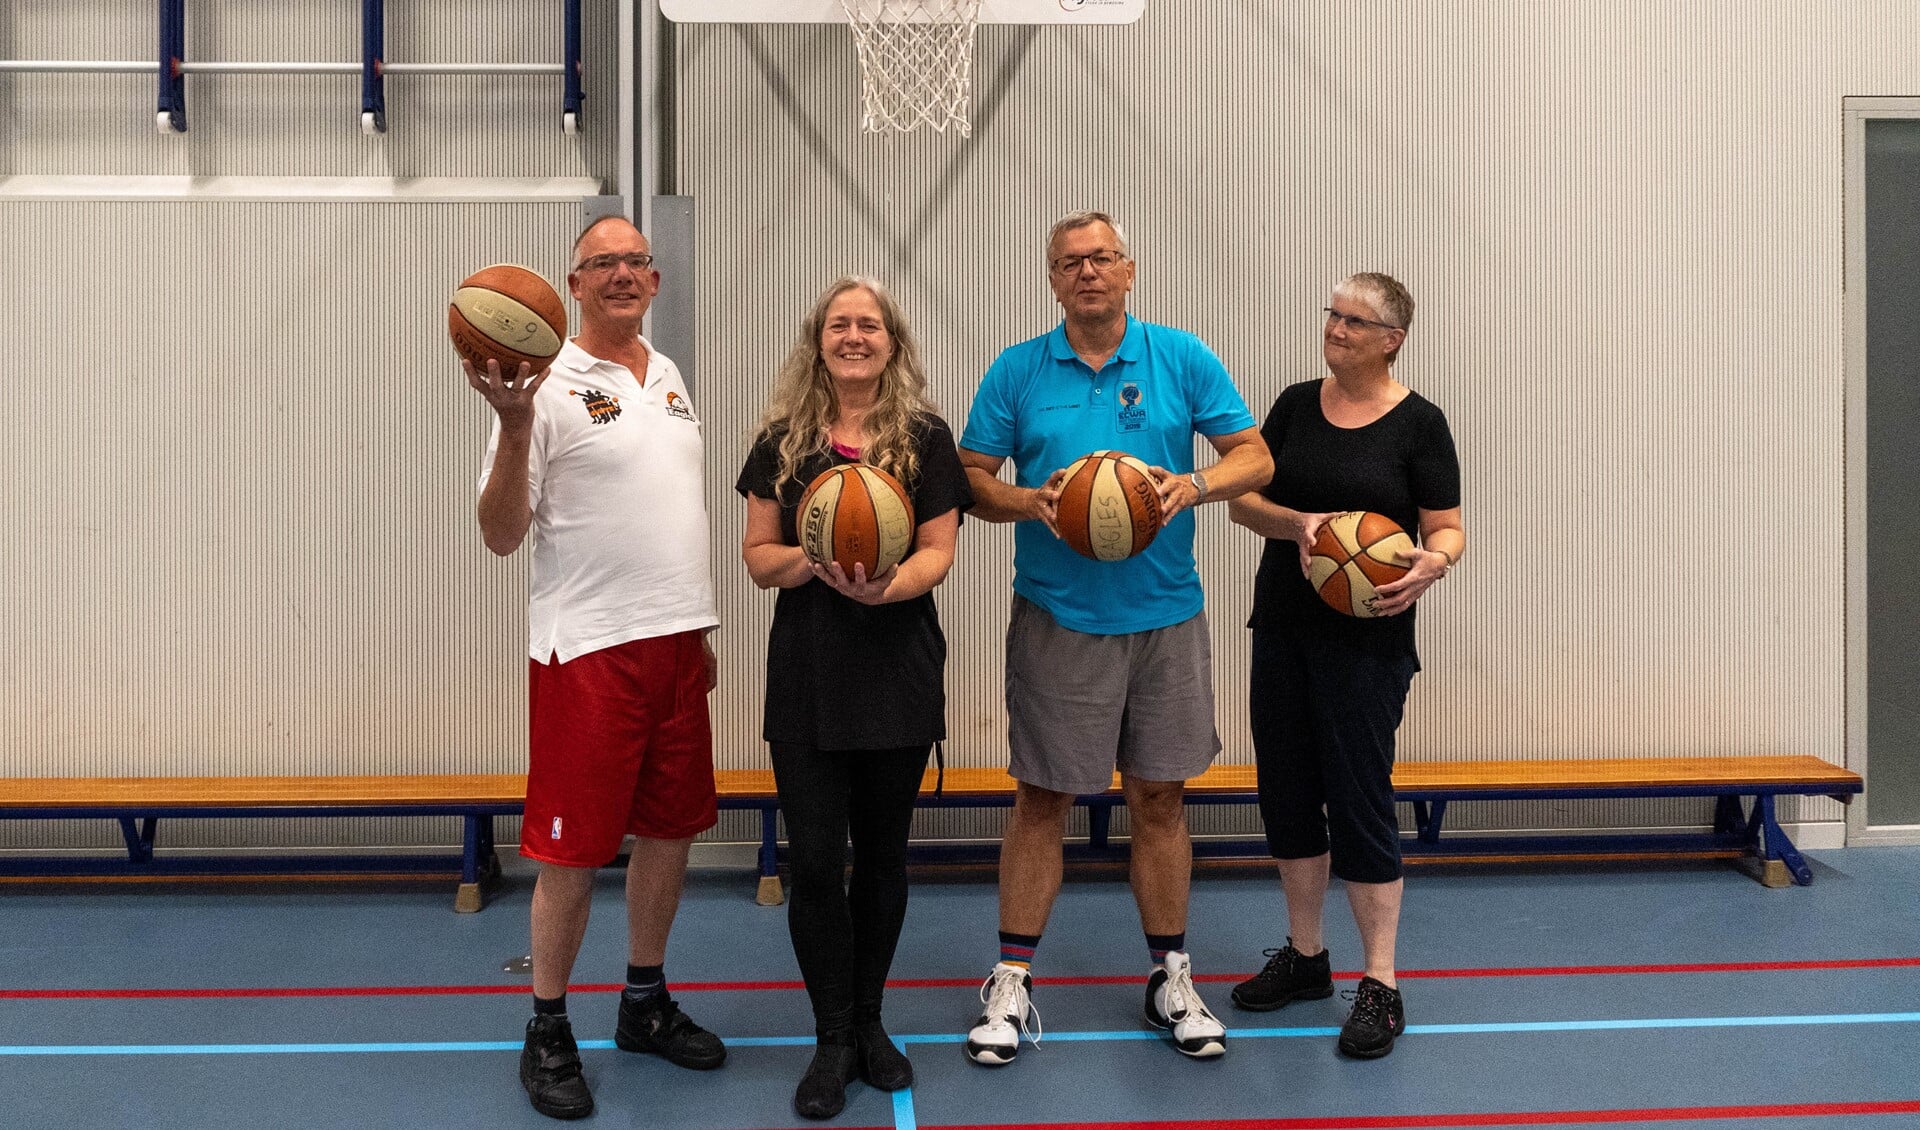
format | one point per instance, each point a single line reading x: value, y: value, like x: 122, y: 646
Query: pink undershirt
x: 852, y: 453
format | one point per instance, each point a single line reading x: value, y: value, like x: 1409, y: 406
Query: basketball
x: 1355, y: 552
x: 854, y: 513
x: 507, y: 314
x: 1109, y: 507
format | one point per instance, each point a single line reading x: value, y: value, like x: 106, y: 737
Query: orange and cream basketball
x: 855, y: 513
x: 507, y: 314
x: 1109, y: 508
x: 1354, y: 553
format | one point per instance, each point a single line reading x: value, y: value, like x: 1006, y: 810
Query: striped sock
x: 1160, y: 945
x: 1017, y: 949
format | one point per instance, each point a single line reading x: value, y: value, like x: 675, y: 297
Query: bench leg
x: 1426, y: 821
x: 770, y: 892
x: 1099, y: 825
x: 139, y: 839
x: 476, y: 839
x: 1728, y: 818
x: 1781, y: 863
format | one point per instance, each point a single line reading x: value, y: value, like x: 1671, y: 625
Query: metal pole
x: 373, y: 50
x: 623, y: 159
x: 78, y: 66
x: 268, y: 67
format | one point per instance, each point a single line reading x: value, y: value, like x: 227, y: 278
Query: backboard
x: 830, y: 11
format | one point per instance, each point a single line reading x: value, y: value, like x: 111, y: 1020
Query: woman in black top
x: 1328, y: 689
x: 855, y: 697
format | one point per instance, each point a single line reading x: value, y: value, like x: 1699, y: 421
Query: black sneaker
x: 882, y: 1066
x: 822, y: 1092
x: 1289, y: 975
x: 1377, y: 1018
x: 550, y: 1069
x: 657, y: 1026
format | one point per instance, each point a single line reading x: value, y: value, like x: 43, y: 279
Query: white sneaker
x: 1174, y: 1004
x: 995, y: 1040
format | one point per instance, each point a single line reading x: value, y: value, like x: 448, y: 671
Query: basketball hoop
x: 916, y: 63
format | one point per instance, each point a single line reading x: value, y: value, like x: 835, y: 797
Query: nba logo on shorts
x: 556, y: 828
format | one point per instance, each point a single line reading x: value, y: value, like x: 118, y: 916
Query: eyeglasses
x: 1354, y: 322
x: 1103, y: 261
x: 636, y: 261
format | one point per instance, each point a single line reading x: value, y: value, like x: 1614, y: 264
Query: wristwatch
x: 1199, y: 483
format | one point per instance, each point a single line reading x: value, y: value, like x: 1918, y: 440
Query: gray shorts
x: 1080, y: 706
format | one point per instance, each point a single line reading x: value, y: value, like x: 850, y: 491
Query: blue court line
x: 943, y: 1038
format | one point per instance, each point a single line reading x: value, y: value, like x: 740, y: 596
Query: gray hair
x: 1388, y: 297
x: 1073, y: 220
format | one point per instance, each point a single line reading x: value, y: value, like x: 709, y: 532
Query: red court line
x: 936, y: 983
x: 1491, y: 1118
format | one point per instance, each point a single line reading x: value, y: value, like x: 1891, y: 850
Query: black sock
x: 644, y: 982
x: 1159, y: 945
x: 554, y: 1007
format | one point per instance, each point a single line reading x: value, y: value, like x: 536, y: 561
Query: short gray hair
x: 1073, y: 220
x: 1387, y: 295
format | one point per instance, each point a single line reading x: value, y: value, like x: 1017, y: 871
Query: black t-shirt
x: 1399, y: 465
x: 846, y: 675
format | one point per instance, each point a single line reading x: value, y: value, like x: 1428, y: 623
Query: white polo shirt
x: 619, y: 535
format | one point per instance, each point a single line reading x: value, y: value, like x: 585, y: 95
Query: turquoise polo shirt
x: 1043, y: 407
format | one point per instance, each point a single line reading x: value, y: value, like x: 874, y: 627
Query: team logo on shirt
x: 677, y: 406
x: 1132, y: 415
x: 601, y: 407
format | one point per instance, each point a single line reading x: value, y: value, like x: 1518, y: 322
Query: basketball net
x: 916, y: 63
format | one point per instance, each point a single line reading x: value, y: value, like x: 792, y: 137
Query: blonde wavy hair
x: 804, y: 404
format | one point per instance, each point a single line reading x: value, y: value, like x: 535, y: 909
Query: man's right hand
x: 512, y: 398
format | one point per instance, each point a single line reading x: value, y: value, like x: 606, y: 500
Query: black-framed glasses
x: 636, y: 261
x: 1353, y: 321
x: 1103, y: 261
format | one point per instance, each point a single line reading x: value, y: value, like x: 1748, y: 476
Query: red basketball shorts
x: 619, y: 743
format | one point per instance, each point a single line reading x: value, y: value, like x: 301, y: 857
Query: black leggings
x: 844, y: 930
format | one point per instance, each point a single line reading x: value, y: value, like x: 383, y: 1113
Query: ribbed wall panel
x: 1621, y: 221
x: 308, y: 125
x: 241, y: 509
x: 240, y: 506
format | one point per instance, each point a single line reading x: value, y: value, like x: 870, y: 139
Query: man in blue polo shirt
x: 1108, y: 663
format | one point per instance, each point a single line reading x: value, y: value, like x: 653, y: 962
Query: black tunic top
x: 1399, y: 465
x: 846, y: 675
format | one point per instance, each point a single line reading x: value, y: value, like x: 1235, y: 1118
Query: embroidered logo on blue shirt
x: 1131, y: 415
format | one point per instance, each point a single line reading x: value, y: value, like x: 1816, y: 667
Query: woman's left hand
x: 860, y: 587
x: 1425, y: 567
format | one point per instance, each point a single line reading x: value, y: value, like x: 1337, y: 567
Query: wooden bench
x: 138, y: 804
x: 1431, y: 785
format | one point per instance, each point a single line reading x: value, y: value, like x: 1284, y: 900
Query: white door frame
x: 1855, y: 114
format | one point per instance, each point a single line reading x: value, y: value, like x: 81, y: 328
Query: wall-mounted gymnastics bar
x: 172, y: 67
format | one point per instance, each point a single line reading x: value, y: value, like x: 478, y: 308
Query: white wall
x: 237, y: 500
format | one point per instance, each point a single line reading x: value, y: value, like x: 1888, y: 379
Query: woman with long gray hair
x: 855, y: 697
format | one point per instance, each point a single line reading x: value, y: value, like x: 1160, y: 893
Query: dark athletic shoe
x: 550, y: 1069
x: 658, y: 1027
x: 1377, y: 1018
x: 1289, y: 975
x: 822, y: 1092
x: 882, y: 1066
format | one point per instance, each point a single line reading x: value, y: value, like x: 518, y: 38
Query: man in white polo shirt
x: 599, y: 457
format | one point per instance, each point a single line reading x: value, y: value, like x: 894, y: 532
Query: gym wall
x: 239, y: 501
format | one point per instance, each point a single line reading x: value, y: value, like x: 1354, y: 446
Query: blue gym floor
x: 1538, y: 996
